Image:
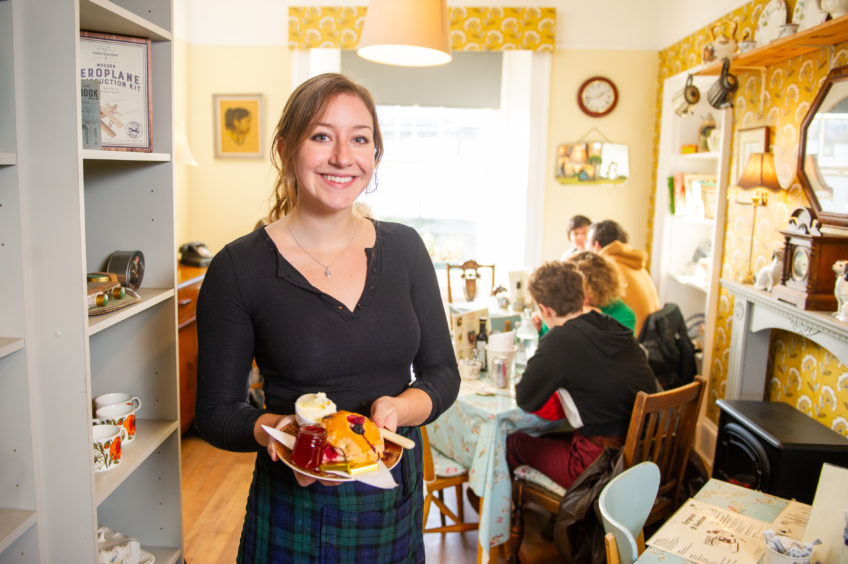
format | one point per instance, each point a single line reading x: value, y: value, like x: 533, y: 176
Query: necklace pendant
x: 327, y: 272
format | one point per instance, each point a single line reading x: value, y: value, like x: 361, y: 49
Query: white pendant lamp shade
x: 409, y: 33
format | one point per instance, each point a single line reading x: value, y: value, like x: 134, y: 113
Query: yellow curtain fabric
x: 471, y: 29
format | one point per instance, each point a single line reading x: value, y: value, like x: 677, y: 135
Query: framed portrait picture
x: 238, y: 125
x: 121, y: 66
x: 751, y: 140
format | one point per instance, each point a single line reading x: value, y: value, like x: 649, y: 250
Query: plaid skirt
x: 349, y: 523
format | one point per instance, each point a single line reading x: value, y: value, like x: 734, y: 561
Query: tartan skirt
x: 349, y: 523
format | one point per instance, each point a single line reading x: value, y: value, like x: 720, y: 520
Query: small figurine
x: 840, y: 290
x: 769, y: 275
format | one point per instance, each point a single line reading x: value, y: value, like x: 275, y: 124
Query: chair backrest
x: 625, y: 503
x: 469, y: 272
x: 428, y: 468
x: 662, y: 429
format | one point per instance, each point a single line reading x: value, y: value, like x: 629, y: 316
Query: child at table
x: 587, y: 369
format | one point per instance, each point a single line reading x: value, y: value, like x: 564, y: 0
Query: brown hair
x: 603, y: 280
x: 302, y: 111
x: 559, y: 286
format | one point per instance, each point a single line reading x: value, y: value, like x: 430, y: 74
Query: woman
x: 578, y: 228
x: 603, y: 287
x: 326, y: 300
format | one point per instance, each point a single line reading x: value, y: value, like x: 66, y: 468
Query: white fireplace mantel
x: 755, y: 313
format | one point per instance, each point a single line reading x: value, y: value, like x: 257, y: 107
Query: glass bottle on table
x: 480, y: 342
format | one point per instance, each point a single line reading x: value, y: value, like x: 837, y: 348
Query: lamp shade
x: 759, y: 172
x: 410, y: 33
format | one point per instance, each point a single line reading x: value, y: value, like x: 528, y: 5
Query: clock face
x: 597, y: 96
x: 800, y: 264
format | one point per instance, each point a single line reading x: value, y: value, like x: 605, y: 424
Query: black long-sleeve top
x: 255, y: 304
x: 598, y: 362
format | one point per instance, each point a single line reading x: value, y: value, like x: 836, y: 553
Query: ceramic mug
x: 115, y: 398
x: 106, y: 446
x: 118, y: 414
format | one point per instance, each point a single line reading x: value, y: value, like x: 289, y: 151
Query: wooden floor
x: 215, y: 485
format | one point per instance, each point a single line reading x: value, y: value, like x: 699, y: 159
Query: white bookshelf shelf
x: 108, y: 17
x: 9, y: 345
x: 8, y: 159
x: 149, y: 298
x: 150, y: 433
x: 138, y: 156
x: 13, y: 524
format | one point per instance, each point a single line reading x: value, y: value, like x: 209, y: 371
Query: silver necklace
x: 327, y: 272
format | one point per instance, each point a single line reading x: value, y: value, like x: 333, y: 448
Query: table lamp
x: 759, y: 175
x: 407, y: 33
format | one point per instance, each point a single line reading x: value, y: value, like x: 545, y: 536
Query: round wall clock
x: 597, y: 96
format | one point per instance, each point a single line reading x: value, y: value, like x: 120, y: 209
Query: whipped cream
x: 312, y: 408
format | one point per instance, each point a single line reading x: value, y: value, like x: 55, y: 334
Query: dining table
x: 473, y: 432
x: 724, y: 522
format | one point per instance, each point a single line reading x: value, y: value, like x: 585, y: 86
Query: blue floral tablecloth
x: 473, y: 432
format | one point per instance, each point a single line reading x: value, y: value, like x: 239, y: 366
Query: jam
x: 309, y: 446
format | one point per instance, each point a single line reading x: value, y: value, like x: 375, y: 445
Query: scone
x: 355, y: 435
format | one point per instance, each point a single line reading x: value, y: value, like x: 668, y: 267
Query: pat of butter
x: 336, y: 467
x: 362, y: 468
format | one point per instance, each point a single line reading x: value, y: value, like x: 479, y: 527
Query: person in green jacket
x: 603, y: 287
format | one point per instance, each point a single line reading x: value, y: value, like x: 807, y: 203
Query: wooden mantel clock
x: 807, y: 279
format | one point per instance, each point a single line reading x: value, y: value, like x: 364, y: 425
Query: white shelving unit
x: 677, y: 237
x: 694, y: 231
x: 63, y: 211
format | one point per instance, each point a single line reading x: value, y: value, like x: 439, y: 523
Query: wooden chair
x: 470, y: 273
x: 440, y: 473
x: 661, y: 430
x: 625, y: 503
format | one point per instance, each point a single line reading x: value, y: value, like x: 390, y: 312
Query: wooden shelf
x: 812, y: 39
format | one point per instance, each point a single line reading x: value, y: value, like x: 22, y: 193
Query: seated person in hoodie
x: 608, y: 239
x: 587, y: 369
x: 603, y: 286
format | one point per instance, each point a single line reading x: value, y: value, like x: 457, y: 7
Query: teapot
x: 835, y: 8
x: 721, y: 46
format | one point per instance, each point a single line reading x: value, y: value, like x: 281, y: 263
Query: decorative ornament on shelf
x: 722, y: 45
x: 769, y: 276
x: 807, y: 280
x: 684, y: 100
x: 719, y: 93
x: 840, y: 291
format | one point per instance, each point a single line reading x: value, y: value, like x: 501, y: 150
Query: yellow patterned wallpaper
x: 471, y: 29
x: 800, y: 372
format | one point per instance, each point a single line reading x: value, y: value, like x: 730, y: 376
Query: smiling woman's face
x: 336, y: 161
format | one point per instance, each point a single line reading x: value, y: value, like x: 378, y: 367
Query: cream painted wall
x: 181, y: 114
x: 631, y: 123
x: 226, y: 197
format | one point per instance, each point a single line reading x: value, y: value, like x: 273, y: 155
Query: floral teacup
x: 118, y: 414
x: 106, y: 446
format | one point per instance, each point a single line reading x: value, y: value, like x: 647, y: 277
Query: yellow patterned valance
x: 471, y: 29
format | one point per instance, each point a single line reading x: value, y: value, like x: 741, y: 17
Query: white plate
x: 768, y: 26
x: 807, y: 14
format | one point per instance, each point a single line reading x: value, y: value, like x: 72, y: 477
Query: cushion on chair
x: 445, y: 467
x: 530, y: 474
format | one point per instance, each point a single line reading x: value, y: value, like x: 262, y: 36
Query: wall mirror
x: 823, y: 150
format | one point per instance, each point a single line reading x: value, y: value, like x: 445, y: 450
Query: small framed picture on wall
x: 238, y: 127
x: 748, y: 141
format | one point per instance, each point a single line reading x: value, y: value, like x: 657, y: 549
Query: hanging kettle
x: 684, y: 100
x: 723, y: 87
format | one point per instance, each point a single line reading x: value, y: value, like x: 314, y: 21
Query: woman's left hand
x: 384, y: 412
